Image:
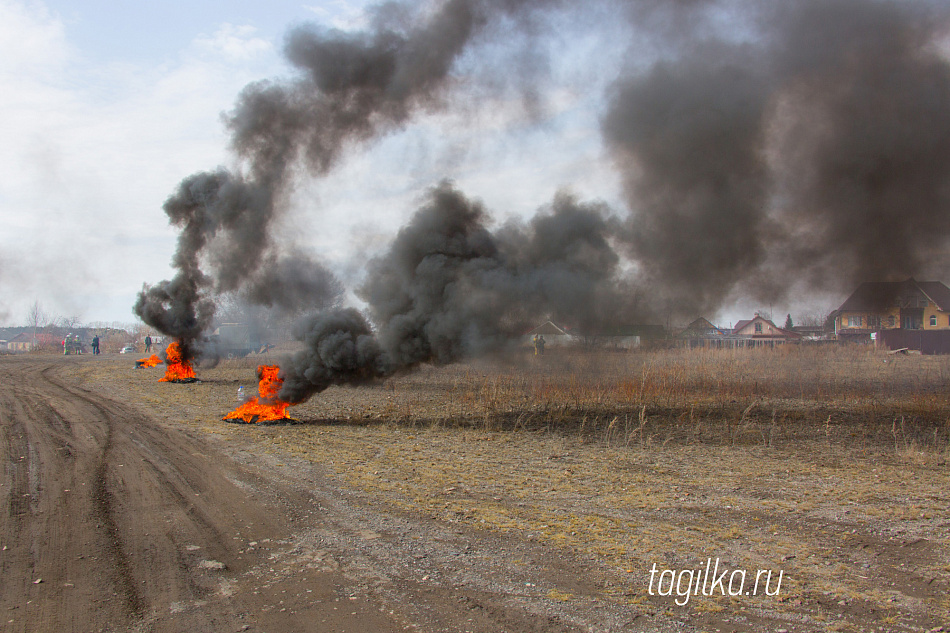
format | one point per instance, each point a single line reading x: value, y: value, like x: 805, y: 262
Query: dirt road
x: 129, y: 506
x: 114, y: 521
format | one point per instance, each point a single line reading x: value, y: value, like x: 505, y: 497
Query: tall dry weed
x: 730, y: 397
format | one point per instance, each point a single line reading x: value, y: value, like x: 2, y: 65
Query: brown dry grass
x: 827, y: 463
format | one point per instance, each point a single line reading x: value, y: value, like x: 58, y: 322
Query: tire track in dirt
x: 165, y: 528
x: 15, y: 488
x: 140, y: 469
x: 115, y: 521
x: 16, y: 483
x: 170, y: 482
x: 104, y: 508
x: 46, y: 520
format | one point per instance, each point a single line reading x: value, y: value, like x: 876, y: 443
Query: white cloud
x: 340, y: 14
x: 31, y: 39
x: 90, y: 153
x: 235, y: 43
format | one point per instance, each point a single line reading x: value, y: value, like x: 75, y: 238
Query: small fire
x: 267, y: 407
x: 151, y: 361
x: 179, y: 369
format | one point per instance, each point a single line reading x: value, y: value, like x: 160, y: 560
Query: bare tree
x: 70, y: 322
x: 138, y: 332
x: 36, y: 318
x: 812, y: 318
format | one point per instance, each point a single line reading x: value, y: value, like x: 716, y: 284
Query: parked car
x: 128, y: 349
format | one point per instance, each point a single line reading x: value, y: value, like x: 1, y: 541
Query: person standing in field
x: 95, y: 345
x: 148, y: 343
x: 538, y: 345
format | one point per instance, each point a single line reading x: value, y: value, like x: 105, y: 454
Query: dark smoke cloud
x: 225, y: 218
x: 225, y: 247
x: 449, y: 287
x: 689, y: 136
x: 177, y: 308
x: 293, y: 283
x: 340, y: 348
x: 420, y: 291
x: 863, y: 156
x: 209, y: 209
x: 814, y: 151
x: 762, y: 147
x: 356, y: 86
x: 351, y: 89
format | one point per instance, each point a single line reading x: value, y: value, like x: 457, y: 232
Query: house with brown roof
x: 702, y: 327
x: 702, y: 333
x: 554, y: 335
x: 22, y: 342
x: 761, y: 331
x: 877, y: 306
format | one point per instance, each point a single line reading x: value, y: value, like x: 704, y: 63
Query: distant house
x: 22, y: 342
x: 702, y: 333
x: 761, y: 331
x: 907, y: 314
x: 755, y: 332
x: 888, y: 305
x: 621, y: 337
x: 701, y: 327
x: 554, y: 336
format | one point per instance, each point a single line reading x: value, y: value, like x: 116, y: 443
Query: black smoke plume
x: 340, y: 348
x: 763, y: 148
x: 811, y: 154
x: 351, y: 88
x: 449, y: 287
x: 292, y: 283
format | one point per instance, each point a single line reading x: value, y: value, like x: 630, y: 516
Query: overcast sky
x: 107, y: 105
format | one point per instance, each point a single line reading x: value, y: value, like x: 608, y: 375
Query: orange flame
x: 151, y: 361
x: 267, y: 406
x: 178, y: 368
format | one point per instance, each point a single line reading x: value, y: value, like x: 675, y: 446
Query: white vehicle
x: 128, y: 349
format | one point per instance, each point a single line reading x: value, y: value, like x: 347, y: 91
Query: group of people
x: 72, y: 344
x: 538, y: 345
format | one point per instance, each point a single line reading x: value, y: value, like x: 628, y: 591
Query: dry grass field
x: 829, y: 464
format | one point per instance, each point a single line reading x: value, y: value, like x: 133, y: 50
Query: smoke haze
x: 352, y: 87
x: 763, y: 150
x: 449, y: 287
x: 814, y: 153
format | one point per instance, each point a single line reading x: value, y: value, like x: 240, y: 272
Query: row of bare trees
x: 47, y: 331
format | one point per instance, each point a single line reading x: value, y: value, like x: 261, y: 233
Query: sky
x: 108, y: 105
